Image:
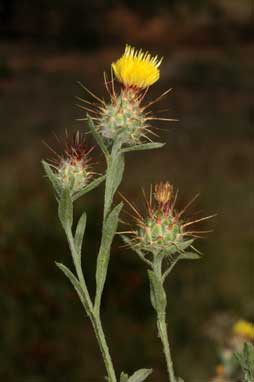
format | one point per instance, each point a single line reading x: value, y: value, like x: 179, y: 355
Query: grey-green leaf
x: 114, y: 176
x: 143, y: 146
x: 140, y: 375
x: 189, y: 256
x: 74, y: 281
x: 109, y: 230
x: 95, y: 183
x: 97, y: 137
x: 79, y: 234
x: 185, y: 244
x: 52, y: 177
x: 123, y: 377
x: 65, y: 210
x: 117, y: 170
x: 157, y: 293
x: 135, y: 249
x: 246, y: 361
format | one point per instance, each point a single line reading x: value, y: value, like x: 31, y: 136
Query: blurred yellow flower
x: 137, y: 69
x: 244, y: 329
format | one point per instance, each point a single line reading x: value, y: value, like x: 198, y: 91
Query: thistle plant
x: 118, y: 127
x: 162, y: 238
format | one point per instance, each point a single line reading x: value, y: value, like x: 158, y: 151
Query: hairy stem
x: 95, y: 318
x: 162, y: 328
x: 161, y: 321
x: 96, y: 321
x: 114, y: 176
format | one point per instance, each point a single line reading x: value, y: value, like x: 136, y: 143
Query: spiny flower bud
x: 74, y: 170
x: 163, y: 229
x: 123, y: 118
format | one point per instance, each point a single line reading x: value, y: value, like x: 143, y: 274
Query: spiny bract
x: 123, y: 118
x: 74, y: 170
x: 161, y: 230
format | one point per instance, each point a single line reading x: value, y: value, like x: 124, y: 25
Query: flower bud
x: 163, y: 192
x: 161, y: 231
x: 74, y: 170
x: 73, y: 175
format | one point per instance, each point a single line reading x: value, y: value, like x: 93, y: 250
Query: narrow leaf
x: 140, y: 375
x: 109, y: 230
x: 135, y: 249
x: 52, y: 177
x: 76, y: 285
x: 181, y: 256
x: 97, y: 137
x: 95, y: 183
x: 113, y: 179
x: 123, y: 377
x: 144, y: 146
x: 79, y: 234
x: 189, y: 256
x: 185, y: 244
x: 65, y: 209
x: 117, y: 170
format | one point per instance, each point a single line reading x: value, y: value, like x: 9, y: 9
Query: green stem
x: 113, y: 179
x: 95, y: 318
x: 96, y: 321
x: 162, y: 328
x: 161, y: 321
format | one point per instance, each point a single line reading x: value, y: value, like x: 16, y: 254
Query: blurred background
x: 46, y: 46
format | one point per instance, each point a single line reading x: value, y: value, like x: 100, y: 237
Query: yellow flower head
x: 244, y: 329
x: 137, y: 68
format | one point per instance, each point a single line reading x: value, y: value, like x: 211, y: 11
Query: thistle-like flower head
x: 125, y: 118
x: 162, y: 229
x: 136, y: 68
x: 73, y: 169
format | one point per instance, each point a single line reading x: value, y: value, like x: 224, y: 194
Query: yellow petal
x: 137, y: 68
